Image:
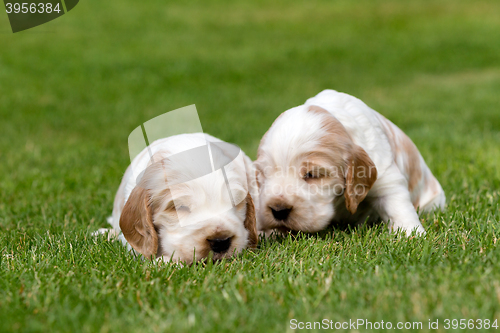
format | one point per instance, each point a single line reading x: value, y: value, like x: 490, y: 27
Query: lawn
x: 73, y: 89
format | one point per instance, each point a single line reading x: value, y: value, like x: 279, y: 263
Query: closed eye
x: 171, y: 208
x: 313, y: 174
x: 183, y: 209
x: 310, y: 175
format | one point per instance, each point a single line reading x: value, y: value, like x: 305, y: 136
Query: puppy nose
x: 220, y: 245
x: 281, y: 212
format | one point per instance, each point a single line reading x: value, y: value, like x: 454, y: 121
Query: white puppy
x: 186, y: 196
x: 335, y: 160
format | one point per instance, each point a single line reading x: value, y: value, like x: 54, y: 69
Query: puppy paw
x: 112, y: 233
x: 419, y: 231
x: 416, y: 230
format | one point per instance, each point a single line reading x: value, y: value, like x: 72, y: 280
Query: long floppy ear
x: 361, y: 174
x: 250, y: 223
x: 136, y: 223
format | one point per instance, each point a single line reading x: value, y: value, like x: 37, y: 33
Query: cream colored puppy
x: 335, y: 160
x: 186, y: 196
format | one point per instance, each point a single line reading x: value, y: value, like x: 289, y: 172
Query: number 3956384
x: 31, y: 8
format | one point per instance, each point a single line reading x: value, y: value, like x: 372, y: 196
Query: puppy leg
x: 432, y: 197
x: 436, y: 203
x: 393, y: 202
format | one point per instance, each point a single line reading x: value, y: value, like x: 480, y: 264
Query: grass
x: 73, y: 89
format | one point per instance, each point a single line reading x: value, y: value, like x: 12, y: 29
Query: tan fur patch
x: 361, y: 175
x: 413, y: 162
x: 416, y: 201
x: 338, y: 142
x: 136, y: 223
x: 250, y: 223
x: 402, y: 144
x: 360, y: 171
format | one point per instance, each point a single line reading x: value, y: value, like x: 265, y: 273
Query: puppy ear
x: 250, y: 223
x: 136, y: 223
x: 361, y: 174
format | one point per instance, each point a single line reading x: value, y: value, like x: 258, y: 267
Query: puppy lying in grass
x: 186, y: 196
x: 335, y: 160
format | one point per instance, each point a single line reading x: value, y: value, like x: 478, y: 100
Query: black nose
x: 219, y: 245
x: 281, y: 214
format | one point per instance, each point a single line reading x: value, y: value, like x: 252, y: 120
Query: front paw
x: 419, y: 231
x: 416, y: 230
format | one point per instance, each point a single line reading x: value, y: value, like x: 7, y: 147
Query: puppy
x: 186, y: 196
x: 335, y: 160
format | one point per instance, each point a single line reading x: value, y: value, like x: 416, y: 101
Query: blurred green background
x: 73, y: 89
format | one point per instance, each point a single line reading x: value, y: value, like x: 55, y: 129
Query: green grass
x: 73, y: 89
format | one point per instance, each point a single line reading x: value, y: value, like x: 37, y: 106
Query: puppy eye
x: 183, y: 209
x: 311, y: 175
x: 171, y: 208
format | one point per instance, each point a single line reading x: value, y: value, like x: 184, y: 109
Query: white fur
x: 298, y: 132
x: 184, y: 233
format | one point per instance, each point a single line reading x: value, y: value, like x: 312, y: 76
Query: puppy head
x: 168, y: 217
x: 306, y: 163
